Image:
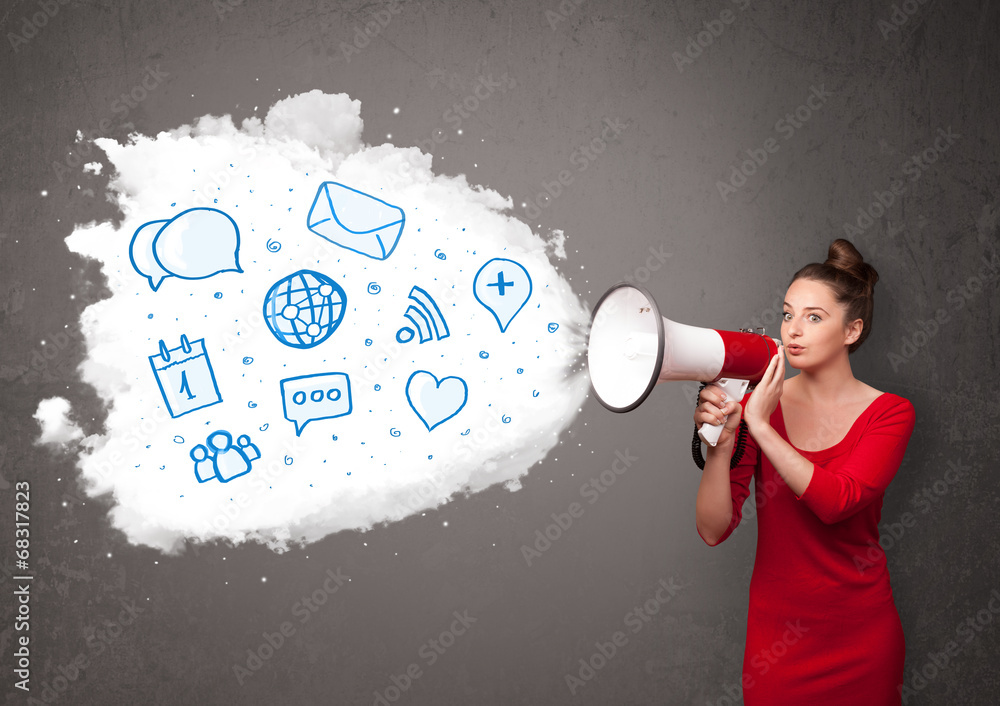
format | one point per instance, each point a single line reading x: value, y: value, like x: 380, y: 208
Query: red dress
x: 822, y: 627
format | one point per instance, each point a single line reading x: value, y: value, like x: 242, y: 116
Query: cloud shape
x: 57, y: 428
x: 378, y: 463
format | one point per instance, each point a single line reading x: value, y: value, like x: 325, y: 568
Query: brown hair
x: 852, y: 281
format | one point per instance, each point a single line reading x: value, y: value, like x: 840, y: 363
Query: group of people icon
x: 221, y: 459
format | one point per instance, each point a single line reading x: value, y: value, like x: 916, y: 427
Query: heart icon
x: 435, y: 401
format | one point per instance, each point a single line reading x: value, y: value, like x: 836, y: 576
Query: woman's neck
x: 828, y: 385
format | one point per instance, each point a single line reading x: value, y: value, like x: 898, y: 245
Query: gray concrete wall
x: 885, y: 80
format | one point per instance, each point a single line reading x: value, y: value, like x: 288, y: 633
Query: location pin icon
x: 503, y: 287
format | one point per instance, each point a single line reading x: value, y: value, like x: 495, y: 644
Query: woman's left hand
x: 764, y: 399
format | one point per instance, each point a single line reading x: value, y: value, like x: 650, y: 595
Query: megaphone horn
x: 631, y: 348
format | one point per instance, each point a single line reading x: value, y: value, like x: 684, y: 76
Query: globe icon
x: 304, y: 309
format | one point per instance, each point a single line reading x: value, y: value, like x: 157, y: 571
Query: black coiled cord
x: 740, y: 447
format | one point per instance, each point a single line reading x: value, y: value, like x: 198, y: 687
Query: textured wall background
x: 887, y: 80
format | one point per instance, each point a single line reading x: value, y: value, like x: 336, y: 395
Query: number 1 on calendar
x: 185, y: 385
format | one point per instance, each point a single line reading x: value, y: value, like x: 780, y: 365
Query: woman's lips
x: 794, y: 350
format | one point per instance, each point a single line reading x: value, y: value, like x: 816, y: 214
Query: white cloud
x: 378, y: 463
x: 53, y: 416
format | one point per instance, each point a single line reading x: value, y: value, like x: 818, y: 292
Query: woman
x: 822, y: 627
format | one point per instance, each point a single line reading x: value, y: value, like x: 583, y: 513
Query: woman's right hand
x: 712, y: 407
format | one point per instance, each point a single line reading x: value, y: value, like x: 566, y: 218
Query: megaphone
x: 631, y: 348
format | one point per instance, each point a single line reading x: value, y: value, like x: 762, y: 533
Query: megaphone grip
x: 734, y: 389
x: 741, y: 440
x: 709, y: 433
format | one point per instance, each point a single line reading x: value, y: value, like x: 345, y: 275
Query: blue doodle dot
x: 484, y: 355
x: 553, y: 327
x: 252, y: 405
x: 273, y: 246
x: 440, y: 255
x: 247, y: 360
x: 218, y: 295
x: 335, y: 438
x: 377, y: 388
x: 150, y: 316
x: 263, y: 427
x: 520, y: 370
x: 430, y: 457
x: 394, y: 432
x: 373, y: 288
x: 289, y: 460
x: 534, y: 393
x: 178, y: 439
x: 368, y: 341
x: 505, y: 419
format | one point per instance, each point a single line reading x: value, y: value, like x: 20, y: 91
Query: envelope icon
x: 356, y: 221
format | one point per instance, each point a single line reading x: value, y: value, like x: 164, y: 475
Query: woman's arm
x: 837, y: 490
x: 793, y: 467
x: 723, y: 490
x: 714, y: 504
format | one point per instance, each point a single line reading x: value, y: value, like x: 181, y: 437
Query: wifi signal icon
x: 426, y: 318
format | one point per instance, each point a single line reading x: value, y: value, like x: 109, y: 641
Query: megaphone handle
x: 734, y: 389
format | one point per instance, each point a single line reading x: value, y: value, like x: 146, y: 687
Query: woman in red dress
x: 822, y: 626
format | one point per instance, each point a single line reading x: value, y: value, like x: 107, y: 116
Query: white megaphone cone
x: 632, y: 347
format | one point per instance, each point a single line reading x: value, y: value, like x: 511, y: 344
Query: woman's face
x: 814, y: 320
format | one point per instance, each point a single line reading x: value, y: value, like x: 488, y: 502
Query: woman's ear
x: 854, y: 331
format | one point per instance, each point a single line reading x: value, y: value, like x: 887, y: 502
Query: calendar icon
x: 185, y: 377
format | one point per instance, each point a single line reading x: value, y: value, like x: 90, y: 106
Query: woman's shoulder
x: 889, y: 397
x: 895, y: 409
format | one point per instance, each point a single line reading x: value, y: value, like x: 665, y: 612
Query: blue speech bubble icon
x: 194, y: 244
x: 503, y: 287
x: 141, y: 253
x: 308, y: 398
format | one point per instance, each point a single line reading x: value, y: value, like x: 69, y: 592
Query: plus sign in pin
x: 503, y: 287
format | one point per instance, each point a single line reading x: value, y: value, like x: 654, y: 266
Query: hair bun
x: 845, y: 257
